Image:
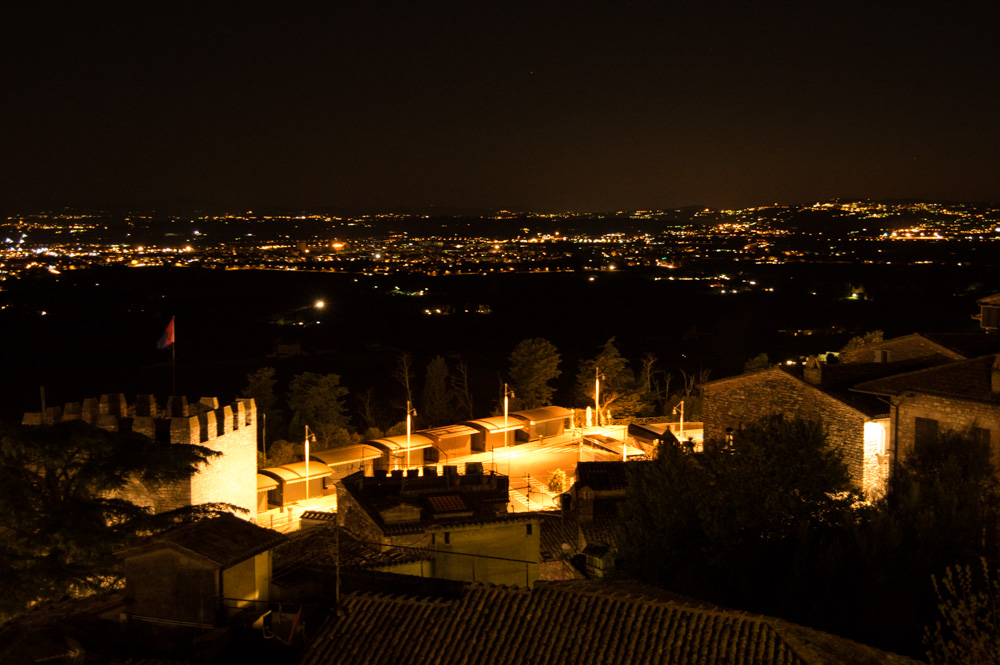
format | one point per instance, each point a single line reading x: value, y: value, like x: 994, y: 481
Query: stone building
x: 937, y: 347
x: 961, y: 396
x: 856, y: 423
x: 878, y: 400
x: 198, y: 574
x: 460, y: 521
x: 230, y: 430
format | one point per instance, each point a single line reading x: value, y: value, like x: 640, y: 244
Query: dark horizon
x: 535, y: 107
x: 439, y: 212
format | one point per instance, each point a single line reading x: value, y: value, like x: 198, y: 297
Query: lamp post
x: 680, y: 409
x: 597, y: 395
x: 410, y: 412
x: 306, y: 503
x: 507, y: 394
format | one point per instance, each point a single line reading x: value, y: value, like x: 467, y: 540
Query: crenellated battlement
x: 177, y: 421
x: 230, y: 430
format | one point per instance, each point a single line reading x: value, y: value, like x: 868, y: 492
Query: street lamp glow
x: 410, y: 412
x: 319, y: 304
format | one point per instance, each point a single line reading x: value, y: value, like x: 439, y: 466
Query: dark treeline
x: 99, y: 327
x: 769, y: 523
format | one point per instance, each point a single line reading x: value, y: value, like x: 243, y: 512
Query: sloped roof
x: 543, y: 414
x: 564, y: 623
x: 604, y: 528
x: 296, y: 471
x: 398, y: 443
x: 555, y: 529
x: 965, y: 379
x: 836, y: 383
x: 653, y: 431
x: 969, y: 345
x: 989, y: 300
x: 495, y: 424
x: 225, y: 540
x: 265, y: 482
x: 347, y: 454
x: 317, y: 548
x: 449, y: 431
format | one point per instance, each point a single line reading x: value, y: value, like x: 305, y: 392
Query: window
x: 527, y: 529
x: 925, y: 431
x: 447, y: 538
x: 433, y: 538
x: 981, y: 435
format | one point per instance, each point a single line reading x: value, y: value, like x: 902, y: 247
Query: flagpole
x: 168, y: 340
x: 173, y: 361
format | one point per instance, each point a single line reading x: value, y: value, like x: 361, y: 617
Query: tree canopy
x: 260, y: 386
x: 859, y: 341
x: 713, y: 525
x: 436, y: 399
x: 758, y: 362
x: 617, y: 382
x: 770, y: 523
x: 317, y: 401
x: 533, y: 364
x: 60, y: 518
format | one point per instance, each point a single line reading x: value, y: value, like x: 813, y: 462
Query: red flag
x: 167, y: 340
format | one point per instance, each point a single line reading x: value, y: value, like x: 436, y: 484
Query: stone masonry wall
x: 231, y: 430
x: 740, y: 400
x: 900, y: 348
x: 951, y: 414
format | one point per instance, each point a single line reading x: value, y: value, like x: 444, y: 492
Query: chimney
x: 585, y: 505
x: 995, y: 375
x: 813, y: 371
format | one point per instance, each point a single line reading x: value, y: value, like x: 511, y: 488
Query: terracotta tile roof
x: 47, y: 632
x: 447, y: 503
x: 225, y: 540
x: 603, y: 529
x: 835, y: 383
x: 556, y: 623
x: 965, y: 379
x: 316, y: 548
x: 605, y: 526
x: 969, y: 345
x: 556, y: 529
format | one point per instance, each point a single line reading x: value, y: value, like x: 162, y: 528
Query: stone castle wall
x: 231, y: 430
x: 735, y: 402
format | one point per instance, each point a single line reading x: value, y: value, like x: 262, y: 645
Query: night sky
x: 539, y: 106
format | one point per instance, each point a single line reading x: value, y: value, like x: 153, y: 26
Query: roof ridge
x: 926, y: 370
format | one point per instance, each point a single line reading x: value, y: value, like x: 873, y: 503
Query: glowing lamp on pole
x: 597, y: 395
x: 507, y: 394
x: 410, y: 412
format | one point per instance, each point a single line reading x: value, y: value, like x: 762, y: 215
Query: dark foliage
x: 768, y: 524
x: 60, y: 518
